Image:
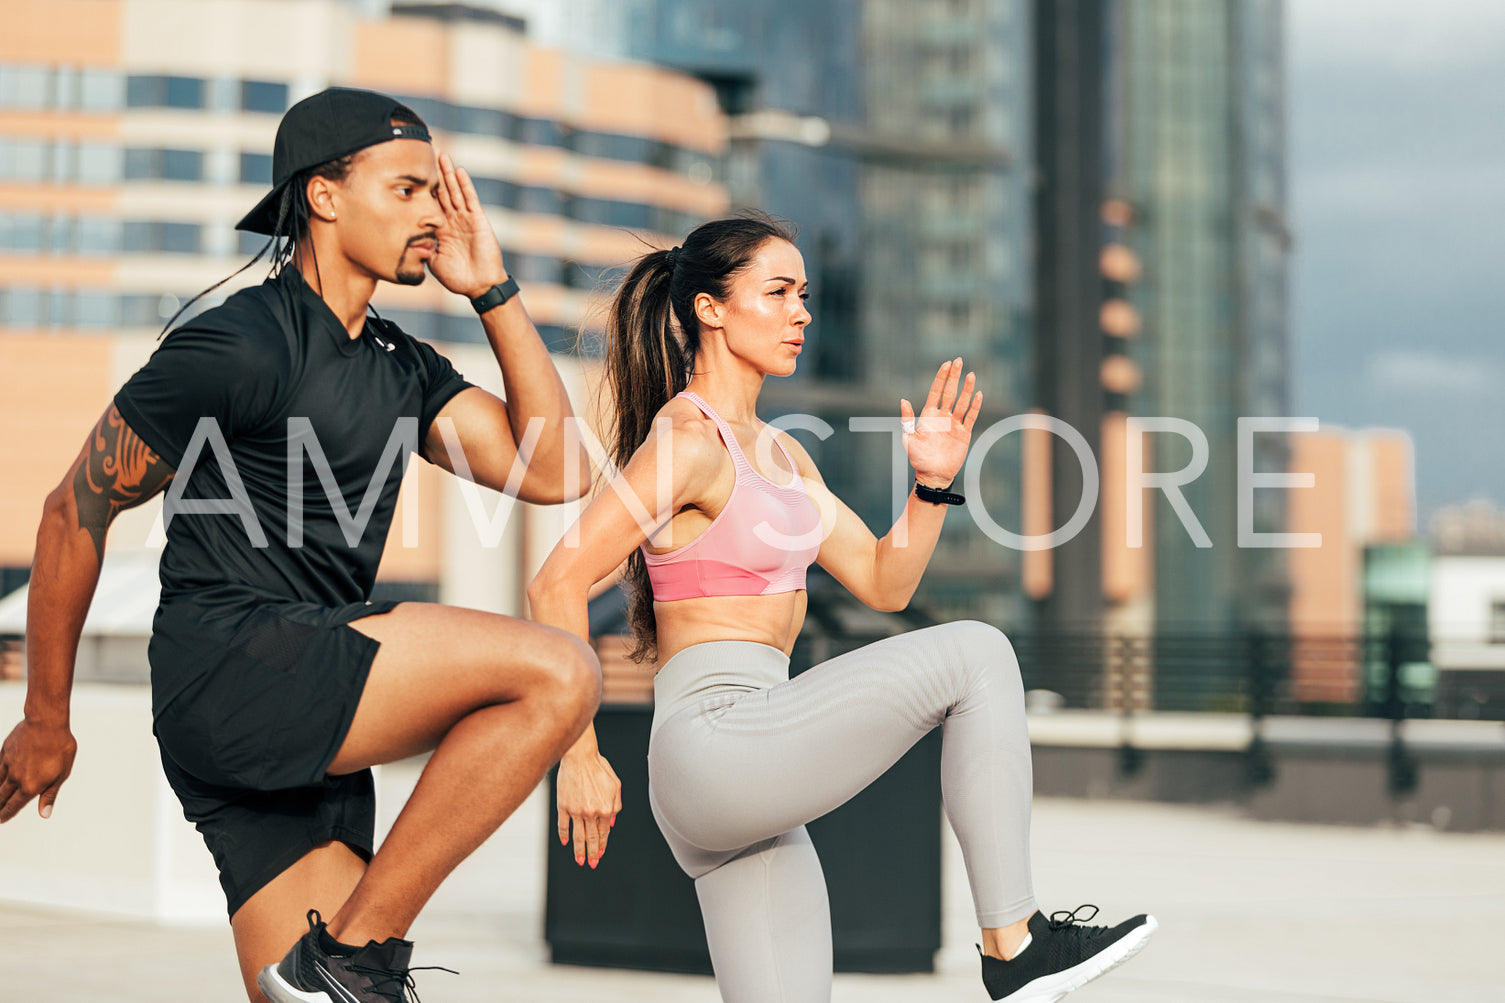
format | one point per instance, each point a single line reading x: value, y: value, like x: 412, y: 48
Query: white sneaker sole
x: 275, y: 989
x: 1049, y: 988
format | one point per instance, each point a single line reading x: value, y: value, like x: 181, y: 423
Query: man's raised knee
x: 573, y: 674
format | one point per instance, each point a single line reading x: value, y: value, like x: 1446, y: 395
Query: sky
x: 1396, y: 111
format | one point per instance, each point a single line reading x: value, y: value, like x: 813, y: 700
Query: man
x: 275, y: 684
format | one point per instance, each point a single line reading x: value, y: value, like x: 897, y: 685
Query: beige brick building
x: 134, y: 133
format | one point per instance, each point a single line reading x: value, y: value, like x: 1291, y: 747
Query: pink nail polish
x: 593, y: 865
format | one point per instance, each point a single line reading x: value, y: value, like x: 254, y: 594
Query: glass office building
x: 946, y: 264
x: 1199, y: 164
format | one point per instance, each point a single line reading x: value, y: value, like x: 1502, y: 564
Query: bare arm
x: 114, y: 471
x: 490, y: 430
x: 648, y: 491
x: 885, y: 573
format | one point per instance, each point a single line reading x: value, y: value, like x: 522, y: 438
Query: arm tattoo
x: 119, y: 471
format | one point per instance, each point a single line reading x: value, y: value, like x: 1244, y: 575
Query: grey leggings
x: 742, y: 756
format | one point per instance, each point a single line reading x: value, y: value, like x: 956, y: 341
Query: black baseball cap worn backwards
x: 331, y: 124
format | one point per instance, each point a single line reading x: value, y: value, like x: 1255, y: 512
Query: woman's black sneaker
x: 1064, y: 955
x: 319, y: 969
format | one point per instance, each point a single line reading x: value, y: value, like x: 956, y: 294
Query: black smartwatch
x: 495, y: 296
x: 937, y: 496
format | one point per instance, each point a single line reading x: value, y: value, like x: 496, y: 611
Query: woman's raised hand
x: 937, y: 441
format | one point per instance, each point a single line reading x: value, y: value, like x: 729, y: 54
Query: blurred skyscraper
x: 1162, y: 294
x: 1199, y: 159
x: 946, y: 264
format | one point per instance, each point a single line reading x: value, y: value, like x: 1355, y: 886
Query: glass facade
x: 945, y: 270
x: 784, y: 56
x: 1200, y: 159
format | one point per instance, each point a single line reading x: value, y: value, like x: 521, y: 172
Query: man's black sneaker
x: 319, y: 969
x: 1063, y: 955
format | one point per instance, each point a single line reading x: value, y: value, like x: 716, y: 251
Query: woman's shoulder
x: 692, y: 434
x: 687, y: 420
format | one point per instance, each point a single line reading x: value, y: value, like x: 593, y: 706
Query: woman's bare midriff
x: 773, y: 620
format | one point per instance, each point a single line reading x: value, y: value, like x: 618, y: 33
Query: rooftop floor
x: 1250, y: 912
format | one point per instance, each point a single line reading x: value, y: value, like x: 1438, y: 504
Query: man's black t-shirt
x: 296, y: 433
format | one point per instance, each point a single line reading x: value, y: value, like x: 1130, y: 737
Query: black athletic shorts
x: 251, y: 704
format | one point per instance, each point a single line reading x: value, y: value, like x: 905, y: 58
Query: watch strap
x: 937, y: 496
x: 495, y: 296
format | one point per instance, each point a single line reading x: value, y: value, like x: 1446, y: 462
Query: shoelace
x: 402, y: 977
x: 1071, y: 917
x: 1073, y: 939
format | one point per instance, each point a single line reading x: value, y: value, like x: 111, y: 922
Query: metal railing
x: 1254, y: 673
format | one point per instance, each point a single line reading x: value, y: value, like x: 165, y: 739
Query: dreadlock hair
x: 292, y: 228
x: 652, y: 338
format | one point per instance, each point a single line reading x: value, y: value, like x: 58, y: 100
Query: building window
x: 141, y: 310
x: 436, y: 114
x: 1497, y: 621
x: 612, y: 146
x: 97, y: 236
x: 494, y: 191
x: 182, y: 238
x: 23, y: 159
x: 250, y: 243
x: 99, y: 163
x: 263, y: 96
x: 94, y: 310
x: 961, y: 119
x: 485, y: 122
x: 62, y: 235
x: 533, y: 267
x: 256, y: 168
x: 159, y: 237
x: 21, y: 232
x: 541, y: 132
x: 164, y: 165
x: 100, y: 90
x: 13, y: 577
x: 164, y: 92
x: 535, y: 198
x: 64, y: 161
x: 24, y: 86
x: 21, y: 307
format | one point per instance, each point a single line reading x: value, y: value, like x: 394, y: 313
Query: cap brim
x: 263, y: 218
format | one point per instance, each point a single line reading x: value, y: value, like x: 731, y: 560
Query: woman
x: 718, y: 517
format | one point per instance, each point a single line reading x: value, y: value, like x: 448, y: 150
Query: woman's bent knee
x: 985, y: 649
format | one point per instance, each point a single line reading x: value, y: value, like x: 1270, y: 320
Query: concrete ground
x: 1250, y: 912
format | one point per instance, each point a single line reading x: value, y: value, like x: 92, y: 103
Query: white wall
x: 117, y: 841
x: 1458, y: 611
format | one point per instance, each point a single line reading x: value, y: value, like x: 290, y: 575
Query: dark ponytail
x: 652, y: 338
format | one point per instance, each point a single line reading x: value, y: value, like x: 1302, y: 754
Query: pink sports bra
x: 760, y: 544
